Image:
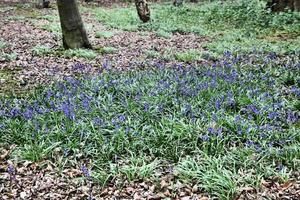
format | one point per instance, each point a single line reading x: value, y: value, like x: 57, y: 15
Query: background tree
x: 143, y: 10
x: 43, y: 4
x: 178, y: 2
x: 73, y: 31
x: 282, y: 5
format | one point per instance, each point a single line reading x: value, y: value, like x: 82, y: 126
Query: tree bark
x: 43, y: 4
x: 143, y: 10
x: 297, y: 5
x: 283, y: 5
x: 73, y: 31
x: 178, y: 2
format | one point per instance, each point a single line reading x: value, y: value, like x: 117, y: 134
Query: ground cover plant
x: 241, y: 26
x: 208, y: 124
x: 200, y: 102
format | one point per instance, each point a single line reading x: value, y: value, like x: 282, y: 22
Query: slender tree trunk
x: 43, y: 4
x: 282, y: 5
x: 178, y: 2
x: 73, y: 31
x: 143, y: 10
x: 297, y: 5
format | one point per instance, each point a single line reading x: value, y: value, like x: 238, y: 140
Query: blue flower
x: 28, y: 114
x: 85, y: 172
x: 67, y: 109
x: 205, y: 137
x: 15, y: 112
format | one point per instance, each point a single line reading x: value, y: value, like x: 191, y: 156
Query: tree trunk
x: 73, y: 31
x: 143, y: 10
x: 178, y: 2
x: 283, y: 5
x: 43, y: 4
x: 297, y: 5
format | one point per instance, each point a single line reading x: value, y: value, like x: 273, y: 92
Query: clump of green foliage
x: 8, y: 56
x: 152, y: 54
x: 163, y: 34
x: 188, y: 56
x: 108, y: 50
x: 52, y: 27
x: 41, y: 50
x: 2, y: 44
x: 105, y: 34
x: 80, y: 53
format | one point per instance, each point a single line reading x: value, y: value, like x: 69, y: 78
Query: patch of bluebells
x: 239, y: 99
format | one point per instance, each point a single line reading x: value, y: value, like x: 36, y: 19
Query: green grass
x: 242, y: 25
x: 165, y: 17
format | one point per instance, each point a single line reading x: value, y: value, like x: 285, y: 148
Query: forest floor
x: 34, y: 56
x: 31, y: 56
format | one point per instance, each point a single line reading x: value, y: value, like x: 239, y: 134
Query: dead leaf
x: 246, y: 189
x: 23, y: 195
x: 4, y: 154
x: 163, y: 184
x: 286, y: 185
x: 195, y: 189
x: 104, y: 192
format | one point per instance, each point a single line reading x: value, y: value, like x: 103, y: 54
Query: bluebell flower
x: 121, y: 118
x: 98, y: 121
x: 67, y: 109
x: 273, y: 115
x: 205, y: 137
x: 85, y: 172
x: 15, y: 112
x: 146, y: 107
x: 12, y: 172
x: 249, y: 143
x: 218, y: 104
x: 2, y: 126
x: 211, y: 130
x: 28, y: 114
